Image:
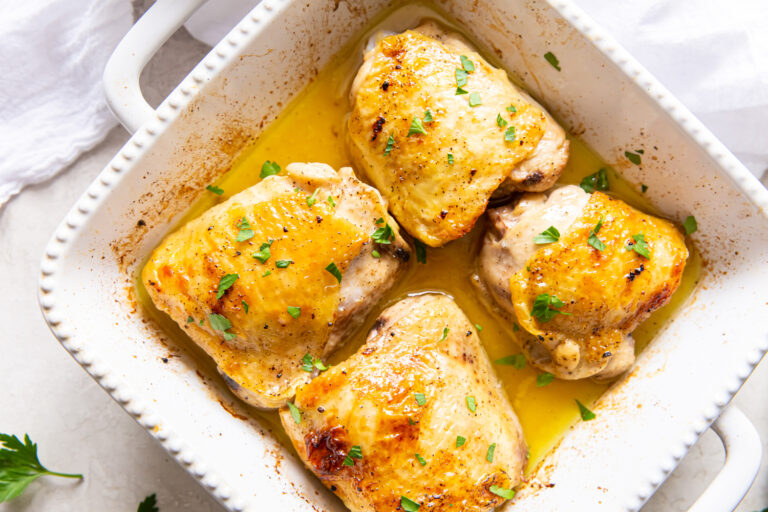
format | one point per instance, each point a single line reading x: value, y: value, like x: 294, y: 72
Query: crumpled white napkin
x: 712, y: 56
x: 52, y: 107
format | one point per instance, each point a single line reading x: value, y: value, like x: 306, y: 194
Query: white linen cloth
x: 713, y: 56
x: 52, y: 107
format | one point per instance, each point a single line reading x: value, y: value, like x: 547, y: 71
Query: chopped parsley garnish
x: 474, y: 99
x: 689, y: 225
x: 190, y: 319
x: 633, y: 157
x: 548, y: 236
x: 409, y: 505
x: 263, y: 253
x: 295, y: 412
x: 149, y: 504
x: 586, y: 414
x: 411, y: 422
x: 489, y: 453
x: 356, y: 452
x: 512, y: 109
x: 516, y: 360
x: 644, y: 188
x: 467, y: 64
x: 596, y: 181
x: 450, y: 158
x: 471, y: 403
x: 216, y: 190
x: 428, y: 116
x: 306, y: 363
x: 461, y: 77
x: 383, y: 235
x: 283, y: 263
x: 552, y: 60
x: 246, y: 231
x: 420, y: 459
x: 516, y: 327
x: 507, y: 494
x: 593, y: 240
x: 445, y: 334
x: 460, y: 440
x: 459, y: 91
x: 544, y: 307
x: 416, y: 127
x: 544, y: 379
x: 390, y: 145
x: 311, y: 200
x: 245, y: 306
x: 334, y: 271
x: 265, y: 274
x: 478, y: 327
x: 268, y: 169
x: 421, y: 251
x: 509, y: 135
x: 380, y: 220
x: 375, y: 253
x: 640, y: 246
x: 294, y: 311
x: 221, y: 323
x: 225, y: 283
x: 420, y: 398
x: 331, y: 201
x: 501, y: 121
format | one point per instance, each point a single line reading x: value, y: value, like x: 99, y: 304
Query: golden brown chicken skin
x: 301, y: 269
x: 417, y: 412
x: 438, y: 156
x: 578, y: 299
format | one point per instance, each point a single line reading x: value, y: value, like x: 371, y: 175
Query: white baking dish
x: 645, y: 423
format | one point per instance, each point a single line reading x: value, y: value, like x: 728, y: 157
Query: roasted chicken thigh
x: 420, y: 392
x: 578, y: 292
x: 437, y: 130
x: 278, y: 271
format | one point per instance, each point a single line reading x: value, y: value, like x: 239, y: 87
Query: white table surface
x: 80, y: 429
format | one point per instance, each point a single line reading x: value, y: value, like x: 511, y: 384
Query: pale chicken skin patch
x: 417, y: 412
x: 284, y: 244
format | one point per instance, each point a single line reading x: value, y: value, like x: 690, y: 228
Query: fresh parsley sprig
x: 149, y: 504
x: 20, y: 466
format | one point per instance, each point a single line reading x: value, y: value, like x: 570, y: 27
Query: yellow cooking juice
x: 312, y: 129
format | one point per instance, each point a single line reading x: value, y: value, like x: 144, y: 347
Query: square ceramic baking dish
x: 645, y: 422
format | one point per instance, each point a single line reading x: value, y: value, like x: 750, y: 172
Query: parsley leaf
x: 283, y: 263
x: 644, y: 188
x: 295, y: 412
x: 421, y: 459
x: 450, y: 158
x: 225, y: 283
x: 507, y: 494
x: 306, y: 363
x: 428, y: 116
x: 221, y: 323
x: 383, y: 235
x: 268, y: 169
x: 512, y: 109
x: 501, y: 121
x: 489, y: 453
x: 213, y: 188
x: 190, y: 319
x: 474, y: 99
x: 690, y: 225
x: 633, y: 157
x: 421, y: 251
x: 20, y: 466
x: 409, y: 505
x: 445, y: 334
x: 332, y: 202
x: 390, y: 145
x: 334, y: 270
x: 516, y: 360
x: 640, y: 246
x: 311, y: 200
x: 460, y: 440
x: 356, y: 452
x: 294, y: 311
x: 263, y: 253
x: 149, y: 504
x: 467, y: 64
x: 459, y: 91
x: 544, y: 379
x: 596, y: 181
x: 461, y: 77
x: 416, y: 127
x: 586, y: 414
x: 509, y: 135
x: 478, y: 327
x: 593, y: 240
x: 548, y: 236
x: 246, y: 231
x: 552, y: 60
x: 471, y: 403
x: 245, y: 306
x: 420, y: 398
x: 543, y: 307
x: 375, y: 253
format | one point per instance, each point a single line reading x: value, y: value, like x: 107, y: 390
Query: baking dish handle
x: 123, y: 69
x: 743, y: 452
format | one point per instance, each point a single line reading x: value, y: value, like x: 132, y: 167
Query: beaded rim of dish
x: 219, y: 57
